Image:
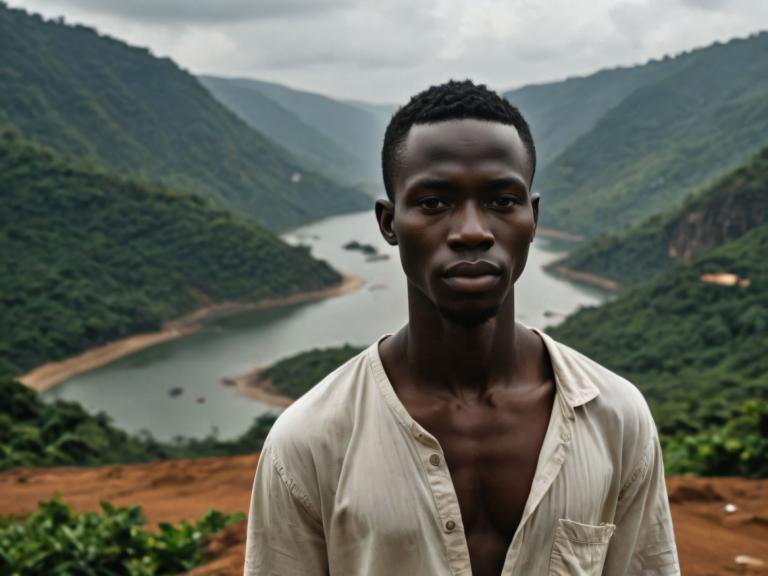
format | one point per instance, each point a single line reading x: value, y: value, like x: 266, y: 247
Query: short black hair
x: 454, y: 100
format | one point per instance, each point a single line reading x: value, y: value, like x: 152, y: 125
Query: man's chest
x: 491, y: 453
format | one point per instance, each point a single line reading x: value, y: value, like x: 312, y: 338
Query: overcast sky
x: 386, y: 50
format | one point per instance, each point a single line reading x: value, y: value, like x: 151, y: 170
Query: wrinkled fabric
x: 349, y: 484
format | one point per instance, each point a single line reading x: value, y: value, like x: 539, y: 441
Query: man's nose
x: 470, y: 229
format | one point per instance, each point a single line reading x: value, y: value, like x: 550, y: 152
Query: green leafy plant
x: 56, y: 542
x: 739, y: 448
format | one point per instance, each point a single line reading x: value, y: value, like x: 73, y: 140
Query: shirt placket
x: 446, y: 501
x: 555, y: 450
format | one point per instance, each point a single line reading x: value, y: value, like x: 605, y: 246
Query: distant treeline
x: 35, y: 433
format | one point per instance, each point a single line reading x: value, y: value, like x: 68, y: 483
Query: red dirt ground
x: 709, y: 539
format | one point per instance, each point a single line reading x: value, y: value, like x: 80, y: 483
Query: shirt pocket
x: 579, y: 549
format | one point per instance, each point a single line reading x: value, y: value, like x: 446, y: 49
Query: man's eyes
x: 499, y: 203
x: 433, y: 203
x: 505, y: 202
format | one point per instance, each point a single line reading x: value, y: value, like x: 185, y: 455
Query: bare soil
x: 709, y: 539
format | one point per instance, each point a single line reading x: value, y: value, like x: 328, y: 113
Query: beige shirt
x: 350, y: 484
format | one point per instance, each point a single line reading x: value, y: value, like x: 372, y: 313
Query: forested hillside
x: 660, y: 132
x: 696, y: 348
x: 357, y: 129
x: 98, y: 98
x: 314, y: 149
x: 87, y: 257
x: 723, y: 211
x: 561, y: 112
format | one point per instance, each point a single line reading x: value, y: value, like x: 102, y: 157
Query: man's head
x: 458, y: 165
x: 450, y: 101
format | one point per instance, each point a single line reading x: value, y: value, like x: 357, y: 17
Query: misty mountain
x: 99, y: 98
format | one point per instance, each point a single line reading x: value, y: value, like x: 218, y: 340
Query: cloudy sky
x: 385, y: 50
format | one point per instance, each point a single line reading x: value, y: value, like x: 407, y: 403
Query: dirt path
x: 709, y: 539
x: 49, y: 374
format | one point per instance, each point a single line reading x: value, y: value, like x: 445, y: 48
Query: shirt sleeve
x: 285, y: 532
x: 644, y: 542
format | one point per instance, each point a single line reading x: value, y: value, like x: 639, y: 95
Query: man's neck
x: 466, y: 360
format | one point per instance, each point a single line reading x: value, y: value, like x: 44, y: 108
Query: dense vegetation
x: 294, y: 375
x: 268, y: 116
x: 35, y: 433
x: 87, y: 257
x: 355, y: 128
x: 98, y: 98
x: 701, y: 114
x: 55, y: 542
x: 696, y: 349
x: 560, y: 112
x: 725, y: 210
x: 739, y: 447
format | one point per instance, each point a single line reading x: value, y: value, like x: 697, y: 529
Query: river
x: 134, y: 390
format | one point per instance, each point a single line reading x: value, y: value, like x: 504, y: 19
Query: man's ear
x: 535, y: 203
x: 385, y: 216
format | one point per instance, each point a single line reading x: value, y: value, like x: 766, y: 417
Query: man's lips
x: 469, y: 277
x: 472, y: 269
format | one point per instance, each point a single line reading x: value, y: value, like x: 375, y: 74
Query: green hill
x: 657, y: 134
x: 560, y: 112
x: 314, y: 149
x: 722, y: 212
x: 356, y: 128
x: 98, y: 98
x: 87, y: 257
x: 695, y: 348
x: 295, y: 375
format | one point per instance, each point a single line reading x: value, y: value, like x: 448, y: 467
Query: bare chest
x: 491, y: 450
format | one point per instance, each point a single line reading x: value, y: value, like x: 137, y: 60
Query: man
x: 466, y: 443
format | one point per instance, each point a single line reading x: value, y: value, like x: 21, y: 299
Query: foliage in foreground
x: 738, y: 448
x: 34, y: 433
x: 55, y: 542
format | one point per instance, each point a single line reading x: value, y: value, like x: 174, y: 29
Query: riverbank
x: 48, y: 375
x: 559, y: 234
x: 256, y: 386
x: 583, y: 277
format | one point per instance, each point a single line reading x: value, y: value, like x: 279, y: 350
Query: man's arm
x: 644, y: 543
x: 285, y: 530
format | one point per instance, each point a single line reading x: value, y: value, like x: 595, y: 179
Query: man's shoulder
x: 325, y: 412
x: 606, y: 395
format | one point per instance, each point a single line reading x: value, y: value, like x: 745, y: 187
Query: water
x: 134, y: 389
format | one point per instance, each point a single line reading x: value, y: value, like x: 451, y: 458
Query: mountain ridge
x: 99, y: 98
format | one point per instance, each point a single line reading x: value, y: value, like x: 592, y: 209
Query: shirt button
x: 566, y: 436
x: 434, y: 460
x: 450, y: 526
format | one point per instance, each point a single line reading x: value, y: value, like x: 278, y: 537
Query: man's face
x: 463, y: 216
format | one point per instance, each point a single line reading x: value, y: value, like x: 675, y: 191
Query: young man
x: 466, y: 443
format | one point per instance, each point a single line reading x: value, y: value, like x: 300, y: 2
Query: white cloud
x: 386, y: 51
x: 204, y: 12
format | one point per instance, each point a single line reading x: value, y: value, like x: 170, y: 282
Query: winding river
x: 134, y: 390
